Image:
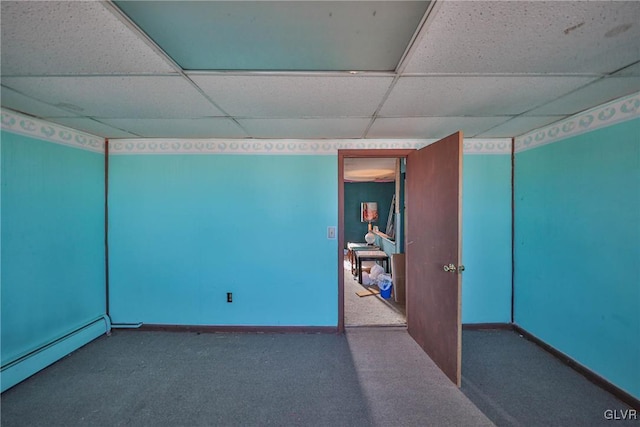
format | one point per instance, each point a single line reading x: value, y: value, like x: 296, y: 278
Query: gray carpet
x: 403, y: 386
x: 516, y: 383
x: 369, y: 310
x: 133, y: 378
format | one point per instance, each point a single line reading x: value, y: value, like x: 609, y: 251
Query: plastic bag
x: 366, y: 279
x: 376, y: 270
x: 384, y: 281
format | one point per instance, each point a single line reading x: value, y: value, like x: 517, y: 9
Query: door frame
x: 357, y: 153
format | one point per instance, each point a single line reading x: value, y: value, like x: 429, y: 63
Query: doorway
x: 373, y: 202
x: 343, y: 275
x: 433, y: 247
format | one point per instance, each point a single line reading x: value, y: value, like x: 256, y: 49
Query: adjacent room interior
x: 240, y: 168
x: 376, y: 184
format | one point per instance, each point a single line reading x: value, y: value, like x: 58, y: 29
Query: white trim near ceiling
x: 251, y: 146
x: 18, y: 123
x: 40, y: 129
x: 617, y: 111
x: 486, y: 146
x: 289, y: 146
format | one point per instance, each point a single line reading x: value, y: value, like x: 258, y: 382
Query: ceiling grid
x: 315, y: 69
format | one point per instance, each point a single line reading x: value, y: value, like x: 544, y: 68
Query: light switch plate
x: 331, y: 232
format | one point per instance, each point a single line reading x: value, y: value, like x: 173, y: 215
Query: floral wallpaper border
x: 616, y: 111
x: 288, y: 146
x: 619, y: 110
x: 29, y: 126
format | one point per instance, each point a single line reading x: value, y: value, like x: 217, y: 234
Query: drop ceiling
x: 315, y: 69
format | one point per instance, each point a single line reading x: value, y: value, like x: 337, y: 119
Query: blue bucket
x: 385, y: 289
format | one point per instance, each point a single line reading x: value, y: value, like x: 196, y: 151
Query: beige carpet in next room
x: 370, y: 310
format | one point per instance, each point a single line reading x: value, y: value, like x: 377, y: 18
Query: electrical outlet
x: 229, y: 297
x: 331, y: 232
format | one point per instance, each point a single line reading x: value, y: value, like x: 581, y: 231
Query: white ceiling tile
x: 92, y: 126
x: 474, y: 96
x: 24, y: 104
x: 208, y: 127
x: 119, y: 97
x: 305, y: 128
x: 431, y: 127
x: 261, y: 96
x: 529, y: 37
x: 72, y: 37
x: 522, y: 48
x: 599, y: 92
x: 518, y: 126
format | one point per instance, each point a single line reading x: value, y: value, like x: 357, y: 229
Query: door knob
x: 450, y: 268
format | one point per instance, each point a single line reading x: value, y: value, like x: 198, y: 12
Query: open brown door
x: 433, y: 208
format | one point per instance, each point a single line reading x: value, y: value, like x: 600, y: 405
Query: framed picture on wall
x: 368, y: 212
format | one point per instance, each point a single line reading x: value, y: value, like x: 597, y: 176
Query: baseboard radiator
x: 21, y: 368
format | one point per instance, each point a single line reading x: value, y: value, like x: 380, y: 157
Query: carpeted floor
x: 403, y: 386
x: 366, y: 377
x: 370, y: 310
x: 516, y: 383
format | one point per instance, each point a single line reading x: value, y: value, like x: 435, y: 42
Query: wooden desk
x: 370, y: 256
x: 352, y: 248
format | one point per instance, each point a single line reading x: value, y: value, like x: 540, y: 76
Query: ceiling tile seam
x: 560, y: 118
x: 155, y: 118
x: 623, y: 68
x: 470, y: 116
x: 86, y: 75
x: 136, y: 30
x: 147, y: 39
x: 467, y: 75
x: 419, y: 35
x: 240, y: 73
x: 377, y: 110
x: 299, y: 117
x: 224, y: 117
x: 562, y: 96
x: 112, y: 126
x: 75, y: 113
x: 208, y: 98
x: 237, y: 123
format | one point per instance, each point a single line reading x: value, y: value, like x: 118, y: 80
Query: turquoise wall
x: 187, y: 229
x: 358, y: 192
x: 386, y: 245
x: 486, y: 239
x: 577, y: 281
x: 52, y: 242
